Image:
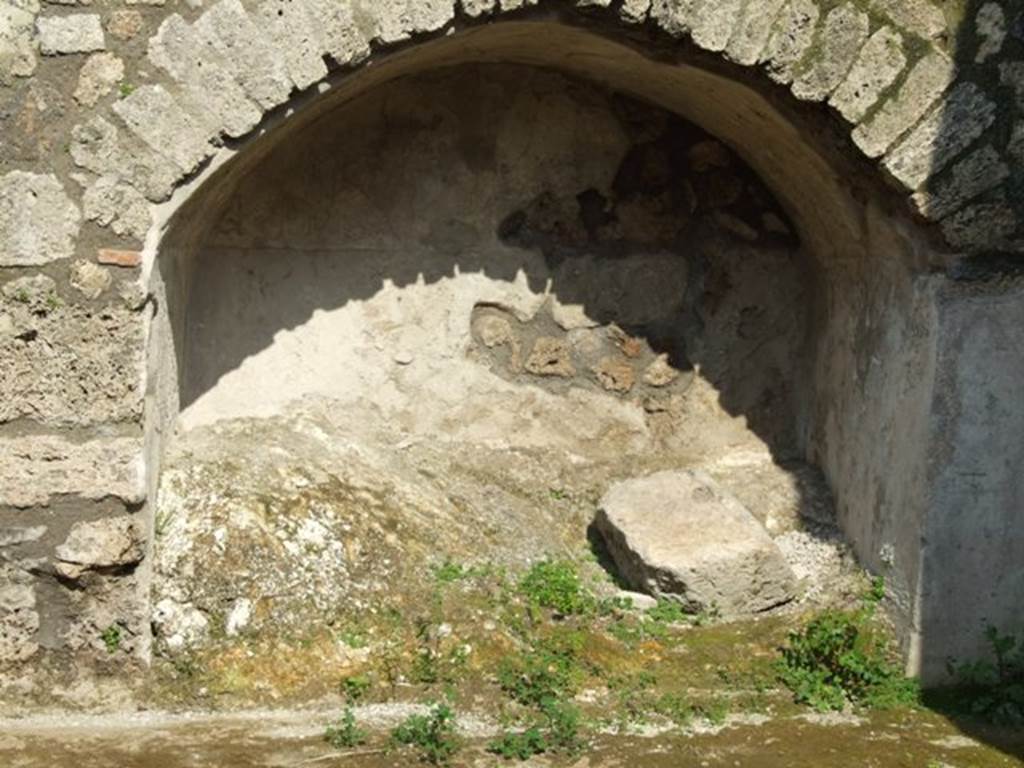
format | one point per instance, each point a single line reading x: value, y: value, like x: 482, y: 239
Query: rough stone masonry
x: 892, y: 132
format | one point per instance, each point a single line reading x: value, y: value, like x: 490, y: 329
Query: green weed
x: 993, y: 689
x: 344, y: 733
x: 843, y: 656
x: 111, y: 637
x: 555, y: 584
x: 432, y: 734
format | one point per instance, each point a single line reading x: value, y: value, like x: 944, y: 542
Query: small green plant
x: 450, y: 572
x: 555, y: 584
x: 563, y: 727
x: 21, y: 296
x: 53, y: 302
x: 519, y: 745
x: 558, y: 730
x: 549, y: 671
x: 993, y: 689
x: 842, y: 656
x: 667, y: 612
x: 126, y: 89
x: 344, y: 733
x: 355, y: 687
x: 111, y: 637
x: 432, y: 734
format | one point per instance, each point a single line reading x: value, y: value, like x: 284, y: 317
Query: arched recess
x: 866, y: 363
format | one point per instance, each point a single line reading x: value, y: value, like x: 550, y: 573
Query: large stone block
x: 36, y: 468
x: 38, y: 221
x: 17, y: 50
x: 77, y: 33
x: 99, y: 545
x: 679, y: 536
x: 19, y: 620
x: 68, y: 364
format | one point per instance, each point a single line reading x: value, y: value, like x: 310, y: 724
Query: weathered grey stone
x: 111, y: 202
x: 290, y: 28
x: 949, y: 130
x: 99, y: 147
x: 341, y: 37
x: 124, y: 25
x: 17, y: 51
x: 178, y: 626
x: 678, y: 535
x: 840, y: 40
x: 161, y: 123
x: 550, y: 357
x: 793, y: 35
x: 920, y: 17
x: 980, y: 226
x: 713, y: 23
x: 635, y: 11
x: 19, y: 620
x: 248, y: 54
x: 880, y: 62
x: 990, y: 26
x: 477, y: 8
x: 207, y: 87
x: 927, y: 81
x: 396, y: 20
x: 38, y: 221
x: 1016, y: 146
x: 77, y: 33
x: 36, y: 468
x: 674, y: 16
x: 753, y: 30
x: 100, y: 73
x: 1011, y: 73
x: 979, y: 172
x: 89, y: 279
x: 12, y: 536
x: 514, y: 5
x: 64, y: 364
x: 108, y: 543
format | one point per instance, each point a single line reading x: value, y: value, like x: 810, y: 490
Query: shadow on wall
x: 977, y: 512
x: 612, y: 237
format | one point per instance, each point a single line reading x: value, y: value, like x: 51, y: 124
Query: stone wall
x: 892, y: 133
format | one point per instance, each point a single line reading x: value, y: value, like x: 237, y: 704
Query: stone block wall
x: 110, y: 110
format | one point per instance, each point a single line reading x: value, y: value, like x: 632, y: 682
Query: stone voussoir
x: 840, y: 39
x: 950, y: 129
x: 982, y: 170
x: 791, y: 39
x: 153, y: 115
x: 251, y: 57
x: 677, y: 535
x: 290, y: 28
x: 207, y: 86
x: 753, y: 30
x: 927, y: 81
x: 880, y: 62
